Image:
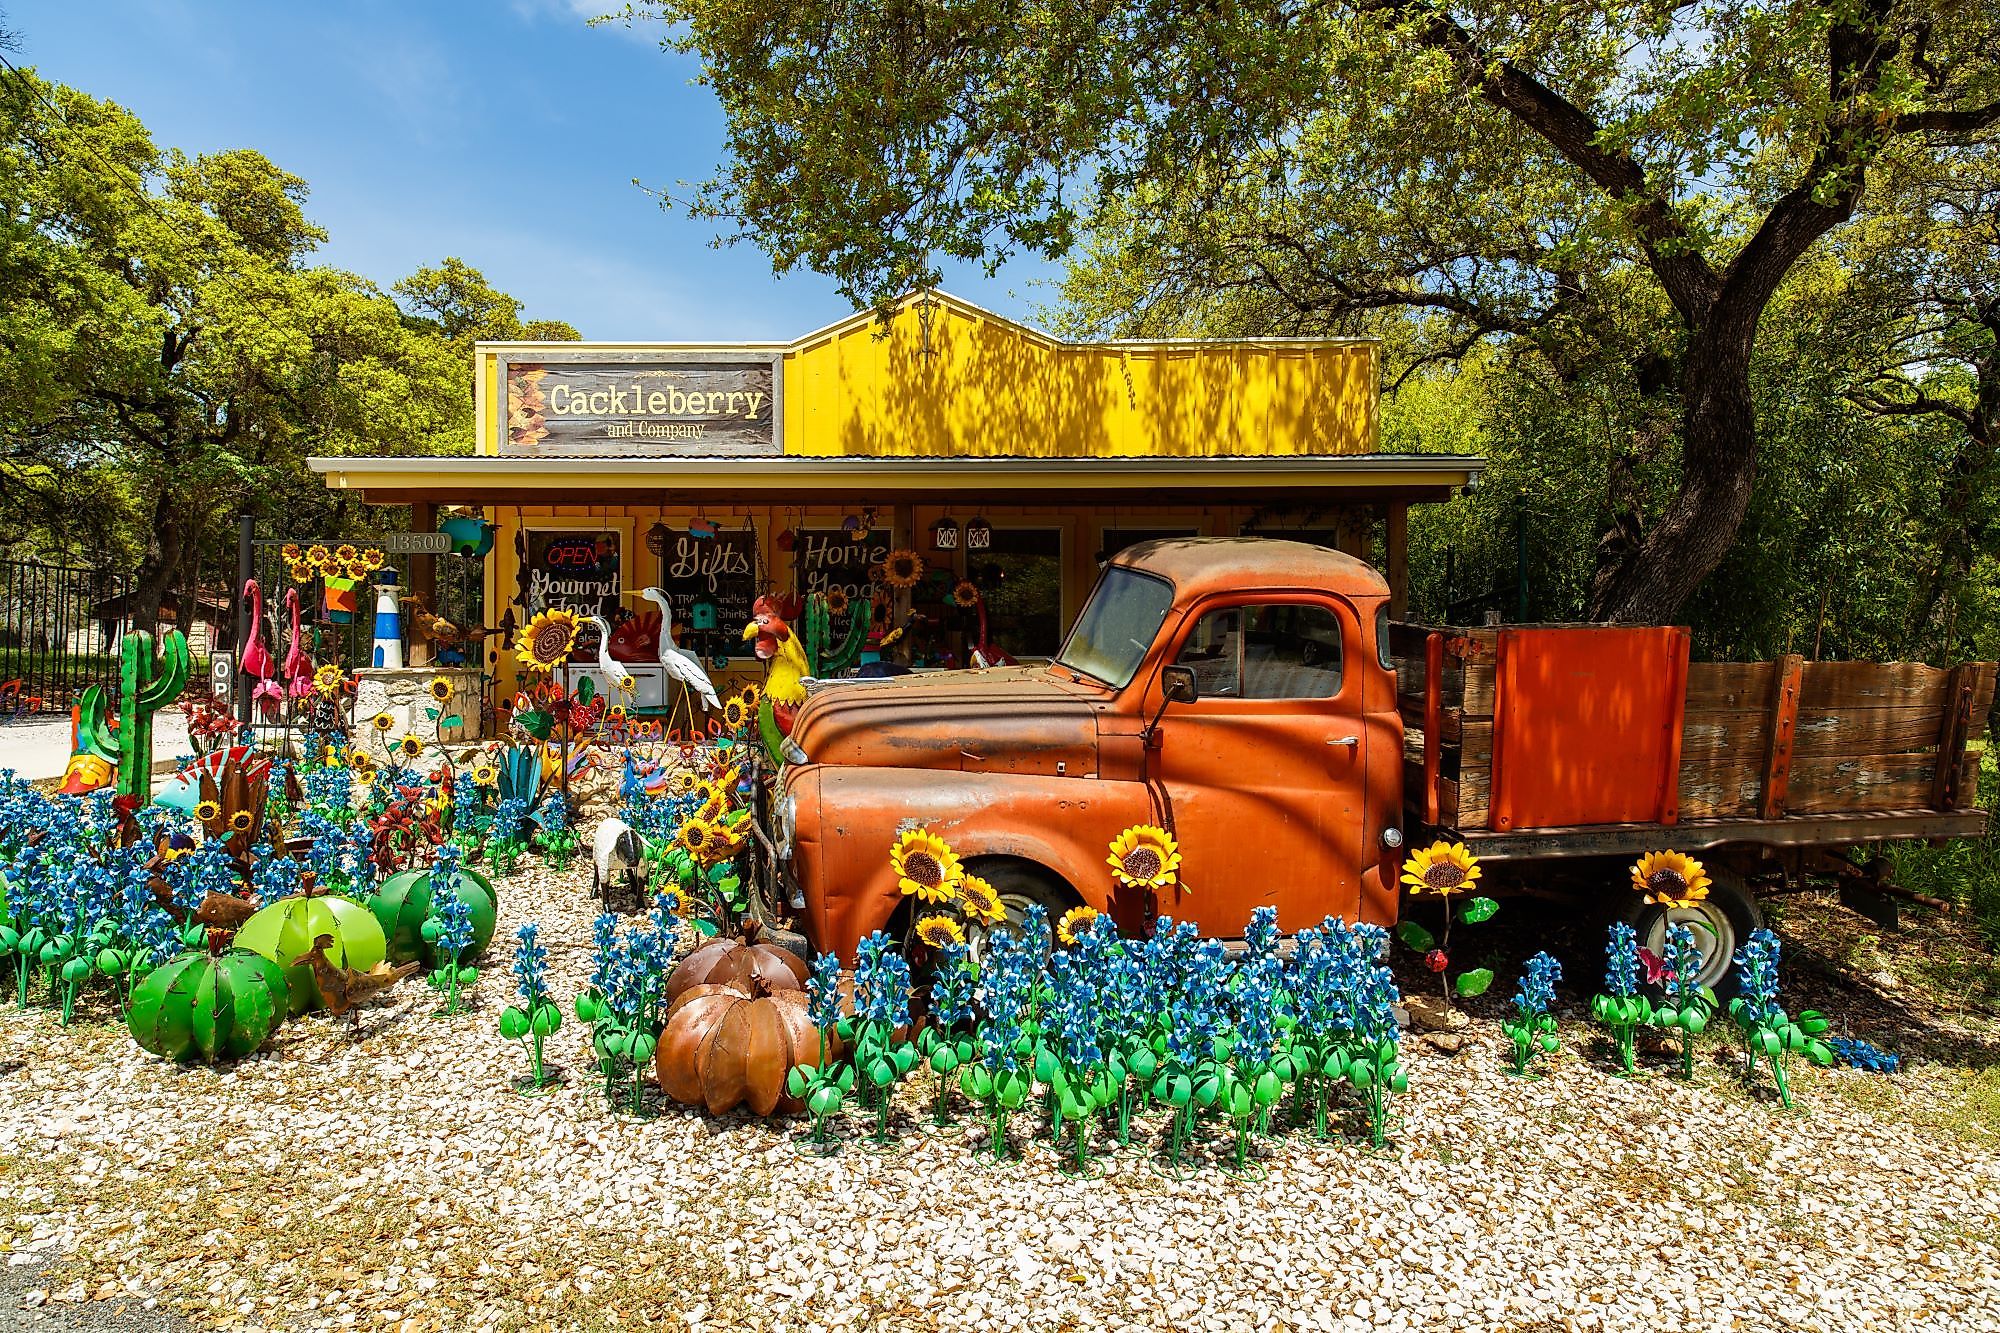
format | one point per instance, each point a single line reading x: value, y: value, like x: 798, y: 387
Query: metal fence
x: 53, y: 644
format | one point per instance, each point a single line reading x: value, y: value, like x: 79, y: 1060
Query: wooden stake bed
x: 1780, y: 753
x: 1696, y: 835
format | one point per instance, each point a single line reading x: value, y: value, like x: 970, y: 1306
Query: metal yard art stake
x: 147, y: 683
x: 388, y: 622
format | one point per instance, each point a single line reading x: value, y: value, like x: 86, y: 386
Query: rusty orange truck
x: 1252, y: 696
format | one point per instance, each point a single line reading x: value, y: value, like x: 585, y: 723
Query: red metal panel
x: 1433, y: 721
x: 1587, y: 726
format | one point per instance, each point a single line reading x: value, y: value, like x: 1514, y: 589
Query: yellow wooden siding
x: 984, y: 386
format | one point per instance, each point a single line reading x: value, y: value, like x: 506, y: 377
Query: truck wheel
x: 1721, y: 923
x: 1020, y: 885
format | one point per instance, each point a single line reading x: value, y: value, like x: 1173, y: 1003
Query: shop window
x: 1289, y: 651
x: 710, y: 582
x: 577, y: 570
x: 1117, y: 539
x: 1021, y: 574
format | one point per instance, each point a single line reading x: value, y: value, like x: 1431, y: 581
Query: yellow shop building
x: 1001, y: 457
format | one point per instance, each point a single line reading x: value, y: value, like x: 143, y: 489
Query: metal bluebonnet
x: 1864, y: 1055
x: 1532, y: 1029
x: 537, y: 1015
x: 823, y: 992
x: 1769, y: 1033
x: 1687, y: 1005
x: 1621, y: 1007
x: 449, y: 928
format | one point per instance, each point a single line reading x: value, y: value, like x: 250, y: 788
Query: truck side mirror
x: 1176, y: 687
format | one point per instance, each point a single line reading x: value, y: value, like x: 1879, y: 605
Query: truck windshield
x: 1118, y: 625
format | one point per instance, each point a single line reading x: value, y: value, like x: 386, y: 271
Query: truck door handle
x: 1346, y: 742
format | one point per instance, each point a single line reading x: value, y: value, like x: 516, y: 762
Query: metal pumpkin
x: 214, y: 1007
x: 404, y: 902
x: 725, y: 1047
x: 286, y: 929
x: 740, y: 963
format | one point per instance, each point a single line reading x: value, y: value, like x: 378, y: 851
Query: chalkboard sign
x: 722, y: 568
x: 578, y: 571
x: 831, y: 558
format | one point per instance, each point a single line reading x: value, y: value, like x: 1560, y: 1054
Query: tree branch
x: 1689, y: 281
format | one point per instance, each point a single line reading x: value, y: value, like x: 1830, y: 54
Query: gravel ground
x: 395, y: 1180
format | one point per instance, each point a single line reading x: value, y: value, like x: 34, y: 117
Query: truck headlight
x: 1392, y: 838
x: 791, y: 751
x: 788, y: 822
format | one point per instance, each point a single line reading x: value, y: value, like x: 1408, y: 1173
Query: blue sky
x: 505, y: 132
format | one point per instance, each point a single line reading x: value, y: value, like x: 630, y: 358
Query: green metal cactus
x: 146, y: 685
x: 819, y: 627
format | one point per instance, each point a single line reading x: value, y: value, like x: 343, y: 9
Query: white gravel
x: 398, y: 1182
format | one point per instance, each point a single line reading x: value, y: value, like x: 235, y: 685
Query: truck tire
x: 1721, y: 923
x: 1020, y: 884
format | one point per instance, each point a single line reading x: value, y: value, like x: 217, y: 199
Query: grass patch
x: 1963, y: 1104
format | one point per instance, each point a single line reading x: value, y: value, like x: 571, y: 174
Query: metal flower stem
x: 999, y: 1130
x: 939, y: 1114
x: 1125, y: 1113
x: 1082, y: 1159
x: 1444, y: 947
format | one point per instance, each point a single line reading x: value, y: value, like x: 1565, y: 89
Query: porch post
x: 1398, y: 558
x: 423, y: 578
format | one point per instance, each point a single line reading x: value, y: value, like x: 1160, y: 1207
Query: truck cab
x: 1235, y: 692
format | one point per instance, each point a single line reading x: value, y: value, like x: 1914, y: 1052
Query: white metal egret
x: 614, y: 671
x: 679, y: 664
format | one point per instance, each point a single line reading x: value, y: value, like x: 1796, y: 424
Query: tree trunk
x: 1718, y: 476
x: 160, y: 569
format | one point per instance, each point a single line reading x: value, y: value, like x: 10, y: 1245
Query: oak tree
x: 1514, y: 172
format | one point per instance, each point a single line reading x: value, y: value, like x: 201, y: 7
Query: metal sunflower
x: 1671, y: 879
x: 926, y: 867
x: 547, y: 640
x: 903, y: 569
x: 1145, y: 856
x: 1443, y: 868
x: 938, y: 930
x: 1074, y: 922
x: 980, y: 903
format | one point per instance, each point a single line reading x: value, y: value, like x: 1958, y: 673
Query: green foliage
x: 174, y: 355
x: 1611, y: 198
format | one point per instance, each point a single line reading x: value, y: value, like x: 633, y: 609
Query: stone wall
x: 405, y: 698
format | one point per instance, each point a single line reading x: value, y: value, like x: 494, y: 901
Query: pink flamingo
x: 298, y: 662
x: 257, y: 663
x: 984, y: 652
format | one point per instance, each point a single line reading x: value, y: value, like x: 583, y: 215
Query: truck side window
x: 1265, y: 652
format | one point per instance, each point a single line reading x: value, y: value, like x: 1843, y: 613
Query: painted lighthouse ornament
x: 388, y: 621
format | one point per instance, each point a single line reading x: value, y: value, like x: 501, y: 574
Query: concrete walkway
x: 38, y: 747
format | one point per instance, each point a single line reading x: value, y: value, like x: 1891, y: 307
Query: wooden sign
x: 722, y: 568
x: 703, y: 405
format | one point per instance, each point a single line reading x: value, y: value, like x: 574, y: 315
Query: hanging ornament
x: 978, y: 535
x: 944, y: 535
x: 656, y: 538
x: 787, y: 539
x: 701, y: 530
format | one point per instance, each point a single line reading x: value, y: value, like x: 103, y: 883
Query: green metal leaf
x: 1478, y: 910
x: 1475, y: 982
x: 1416, y: 937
